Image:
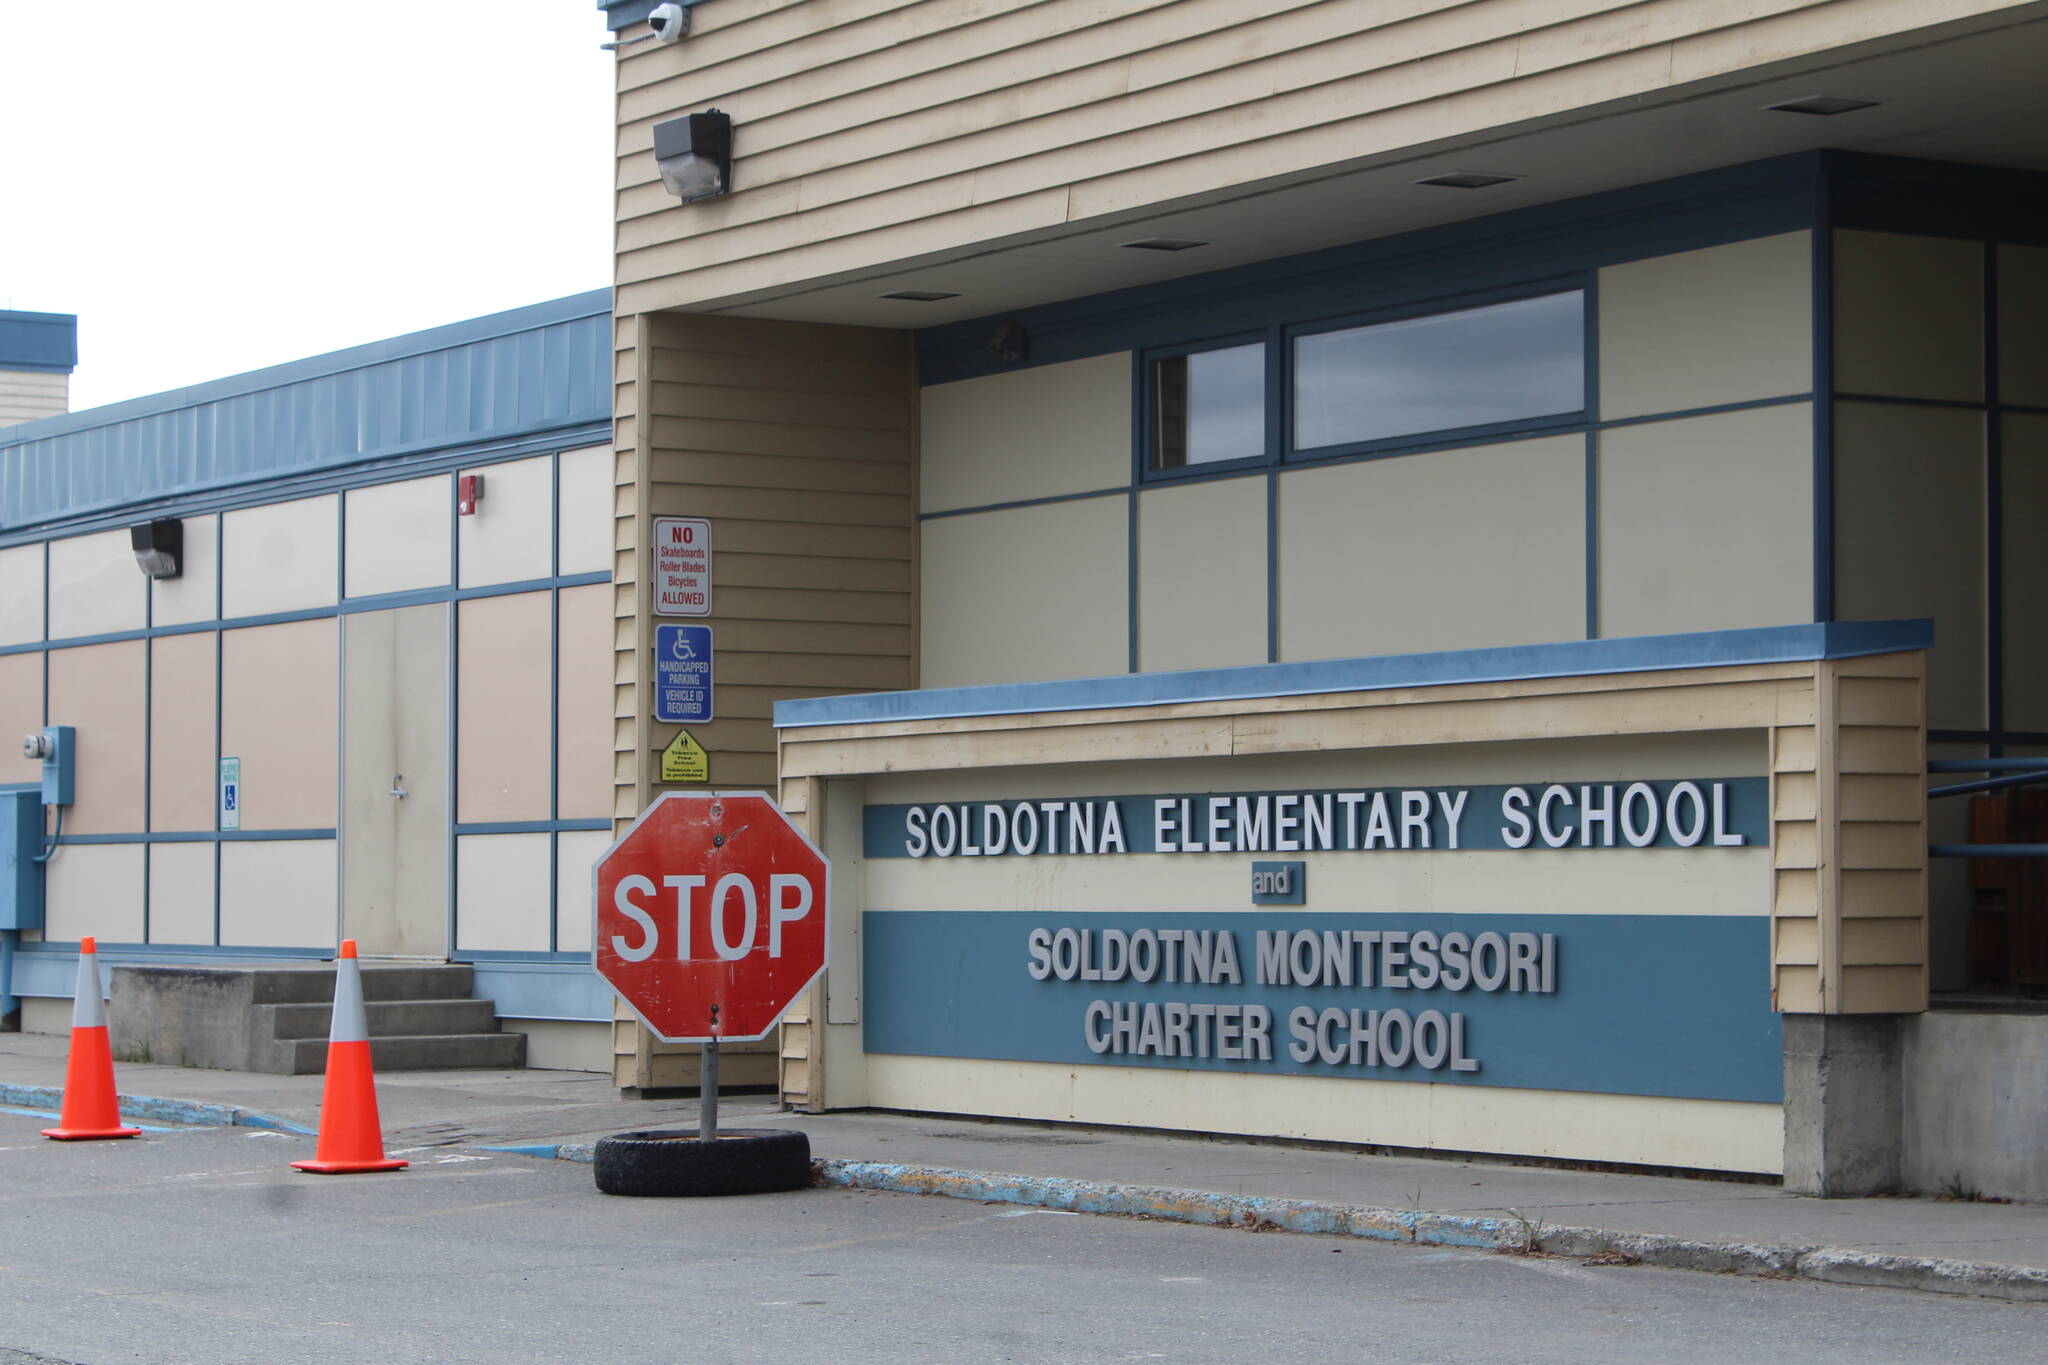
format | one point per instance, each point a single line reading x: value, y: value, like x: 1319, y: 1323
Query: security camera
x: 669, y: 22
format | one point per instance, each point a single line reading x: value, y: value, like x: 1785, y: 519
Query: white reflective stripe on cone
x: 88, y: 1009
x: 350, y: 1025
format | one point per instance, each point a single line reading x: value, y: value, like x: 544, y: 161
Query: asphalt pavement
x: 1989, y: 1249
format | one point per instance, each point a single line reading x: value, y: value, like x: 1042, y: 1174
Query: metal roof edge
x: 1569, y: 658
x: 528, y: 317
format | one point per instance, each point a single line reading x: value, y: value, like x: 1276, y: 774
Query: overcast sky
x: 213, y: 187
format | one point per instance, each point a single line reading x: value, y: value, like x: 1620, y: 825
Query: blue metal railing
x: 2017, y: 772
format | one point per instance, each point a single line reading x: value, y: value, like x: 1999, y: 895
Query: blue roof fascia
x: 535, y: 315
x: 1514, y: 663
x: 38, y: 341
x: 620, y: 14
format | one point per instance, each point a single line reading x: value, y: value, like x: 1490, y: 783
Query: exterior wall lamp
x: 159, y: 546
x: 694, y: 153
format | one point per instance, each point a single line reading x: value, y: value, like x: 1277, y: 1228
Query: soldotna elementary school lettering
x: 1461, y: 576
x: 1682, y: 814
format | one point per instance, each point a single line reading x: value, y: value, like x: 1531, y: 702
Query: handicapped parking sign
x: 682, y: 674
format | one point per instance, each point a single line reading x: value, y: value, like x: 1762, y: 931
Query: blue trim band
x: 201, y: 836
x: 531, y: 826
x: 1570, y: 658
x: 47, y: 342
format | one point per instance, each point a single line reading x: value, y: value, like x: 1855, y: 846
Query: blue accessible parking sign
x: 682, y: 674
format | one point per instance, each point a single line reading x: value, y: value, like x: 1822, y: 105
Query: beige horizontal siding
x: 870, y: 132
x: 28, y: 394
x: 798, y: 443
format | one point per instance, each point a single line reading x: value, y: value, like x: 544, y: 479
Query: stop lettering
x: 712, y: 915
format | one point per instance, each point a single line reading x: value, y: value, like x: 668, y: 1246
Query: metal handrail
x: 2021, y: 772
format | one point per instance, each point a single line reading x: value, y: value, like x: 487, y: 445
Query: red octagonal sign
x: 711, y: 916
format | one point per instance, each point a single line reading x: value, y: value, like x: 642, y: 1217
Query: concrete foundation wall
x: 1975, y: 1087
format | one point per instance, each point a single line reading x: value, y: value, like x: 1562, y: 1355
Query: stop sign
x: 711, y: 899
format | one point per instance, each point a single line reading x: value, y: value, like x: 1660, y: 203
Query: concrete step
x: 315, y: 985
x: 418, y: 1052
x: 386, y: 1018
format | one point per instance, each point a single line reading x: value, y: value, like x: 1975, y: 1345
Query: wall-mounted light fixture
x: 694, y: 154
x: 159, y: 547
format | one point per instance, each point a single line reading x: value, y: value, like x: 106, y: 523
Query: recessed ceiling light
x: 919, y: 295
x: 1161, y: 244
x: 1468, y: 180
x: 1821, y: 106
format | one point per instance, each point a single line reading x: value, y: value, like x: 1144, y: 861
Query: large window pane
x: 1501, y: 363
x: 1209, y: 406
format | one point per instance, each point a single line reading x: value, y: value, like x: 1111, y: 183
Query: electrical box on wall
x: 55, y: 745
x: 21, y: 876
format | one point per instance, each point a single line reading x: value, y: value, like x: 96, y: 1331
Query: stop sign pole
x: 712, y: 917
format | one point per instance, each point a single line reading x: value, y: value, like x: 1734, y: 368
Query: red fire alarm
x: 469, y: 491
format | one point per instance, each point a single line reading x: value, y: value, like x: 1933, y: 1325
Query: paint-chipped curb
x: 585, y: 1152
x: 191, y: 1112
x: 1830, y: 1265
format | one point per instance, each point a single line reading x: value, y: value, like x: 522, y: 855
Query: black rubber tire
x: 672, y: 1163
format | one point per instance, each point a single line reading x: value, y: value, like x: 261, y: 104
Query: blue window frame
x: 1476, y: 367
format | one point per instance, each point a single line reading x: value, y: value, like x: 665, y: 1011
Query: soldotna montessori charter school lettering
x: 1721, y: 813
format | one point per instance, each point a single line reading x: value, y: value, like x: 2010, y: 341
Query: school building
x: 1388, y: 574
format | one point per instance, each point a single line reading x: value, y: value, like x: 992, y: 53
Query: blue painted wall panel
x: 1672, y: 1005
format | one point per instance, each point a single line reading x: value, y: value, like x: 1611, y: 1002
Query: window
x: 1209, y: 406
x: 1504, y: 362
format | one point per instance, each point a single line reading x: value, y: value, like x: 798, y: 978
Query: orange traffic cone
x: 91, y: 1108
x: 350, y: 1136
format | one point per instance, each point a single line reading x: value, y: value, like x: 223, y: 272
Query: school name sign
x: 1664, y: 813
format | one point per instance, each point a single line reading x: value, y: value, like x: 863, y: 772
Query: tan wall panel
x: 394, y: 850
x: 1909, y: 316
x: 1202, y: 575
x: 586, y: 510
x: 193, y: 594
x: 21, y: 710
x: 184, y: 787
x: 2024, y: 454
x: 1026, y: 594
x: 282, y: 557
x: 1724, y: 324
x: 99, y: 689
x: 94, y: 889
x: 2023, y: 325
x: 509, y: 538
x: 1452, y: 549
x: 1707, y: 523
x: 277, y: 893
x: 286, y: 737
x: 397, y: 536
x: 181, y: 893
x: 95, y: 586
x: 1704, y: 1134
x: 576, y: 856
x: 585, y: 724
x: 502, y: 709
x: 21, y: 594
x: 1909, y: 538
x: 501, y: 893
x: 1033, y: 433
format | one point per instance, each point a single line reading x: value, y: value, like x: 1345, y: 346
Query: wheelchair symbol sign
x: 682, y: 674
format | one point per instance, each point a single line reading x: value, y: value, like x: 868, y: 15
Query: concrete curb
x: 585, y: 1152
x: 168, y: 1111
x: 1830, y: 1265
